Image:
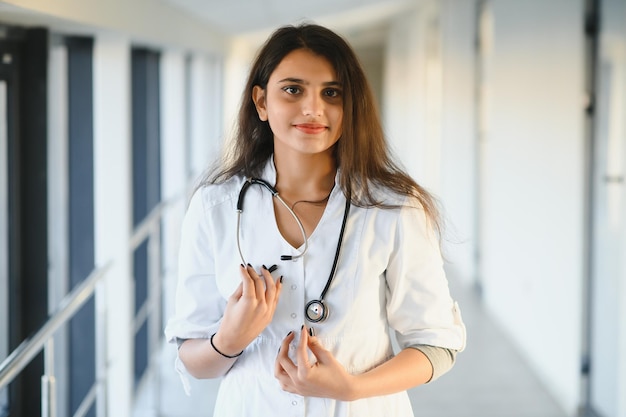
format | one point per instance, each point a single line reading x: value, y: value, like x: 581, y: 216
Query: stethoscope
x: 315, y: 311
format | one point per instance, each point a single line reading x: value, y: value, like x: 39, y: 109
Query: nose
x: 313, y: 105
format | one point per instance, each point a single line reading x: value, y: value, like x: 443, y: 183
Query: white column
x: 200, y: 150
x: 58, y: 211
x: 113, y: 183
x: 215, y: 104
x: 608, y: 279
x: 173, y: 170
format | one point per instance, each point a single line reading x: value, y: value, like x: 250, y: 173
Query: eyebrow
x: 301, y: 81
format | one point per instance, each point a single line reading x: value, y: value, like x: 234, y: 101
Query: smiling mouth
x: 310, y: 128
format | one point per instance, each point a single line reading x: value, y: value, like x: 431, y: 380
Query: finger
x: 279, y: 288
x: 270, y: 285
x: 284, y: 365
x: 259, y: 285
x: 236, y: 295
x: 284, y: 346
x: 302, y: 353
x: 248, y: 287
x: 278, y: 368
x: 319, y: 351
x: 284, y: 380
x: 282, y: 353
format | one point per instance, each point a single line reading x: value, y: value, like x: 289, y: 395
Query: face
x: 303, y: 104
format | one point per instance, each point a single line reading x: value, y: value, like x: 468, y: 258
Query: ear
x: 258, y: 97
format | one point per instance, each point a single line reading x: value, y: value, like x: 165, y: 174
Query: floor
x: 490, y: 379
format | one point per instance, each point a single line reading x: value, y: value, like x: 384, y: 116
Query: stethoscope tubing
x: 275, y: 194
x: 336, y: 260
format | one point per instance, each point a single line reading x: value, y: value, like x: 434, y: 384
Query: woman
x: 351, y: 241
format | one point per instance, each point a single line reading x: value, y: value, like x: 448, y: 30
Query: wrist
x: 353, y: 391
x: 224, y: 349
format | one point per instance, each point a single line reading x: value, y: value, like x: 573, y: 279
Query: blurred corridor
x: 512, y: 112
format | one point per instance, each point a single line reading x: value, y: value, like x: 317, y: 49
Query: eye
x: 332, y: 93
x: 291, y: 89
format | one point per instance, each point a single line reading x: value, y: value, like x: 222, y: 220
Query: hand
x: 326, y: 377
x: 249, y: 310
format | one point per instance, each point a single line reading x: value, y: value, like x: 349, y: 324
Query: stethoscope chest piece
x: 316, y: 311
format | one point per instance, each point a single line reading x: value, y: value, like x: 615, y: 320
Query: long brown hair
x: 362, y: 152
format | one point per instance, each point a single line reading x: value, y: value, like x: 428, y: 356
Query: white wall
x: 205, y: 122
x: 236, y: 67
x: 428, y: 102
x: 533, y: 185
x: 405, y: 96
x: 458, y: 138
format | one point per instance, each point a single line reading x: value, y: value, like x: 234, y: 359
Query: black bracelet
x: 224, y: 355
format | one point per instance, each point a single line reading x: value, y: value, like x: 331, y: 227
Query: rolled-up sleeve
x: 419, y: 306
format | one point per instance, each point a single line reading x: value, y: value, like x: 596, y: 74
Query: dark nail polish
x: 264, y: 267
x: 302, y: 327
x: 273, y: 268
x: 311, y: 332
x: 289, y: 334
x: 281, y: 279
x: 250, y: 265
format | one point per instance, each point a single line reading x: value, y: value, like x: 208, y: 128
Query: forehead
x: 304, y: 64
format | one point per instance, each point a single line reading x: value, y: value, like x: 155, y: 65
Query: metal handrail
x: 29, y: 348
x: 144, y: 228
x: 149, y: 312
x: 70, y: 304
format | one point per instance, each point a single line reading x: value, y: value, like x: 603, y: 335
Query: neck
x: 308, y: 177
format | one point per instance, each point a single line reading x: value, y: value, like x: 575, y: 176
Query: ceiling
x: 241, y: 17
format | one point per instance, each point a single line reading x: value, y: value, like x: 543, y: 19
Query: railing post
x: 48, y: 382
x: 154, y: 315
x: 101, y: 349
x: 47, y: 396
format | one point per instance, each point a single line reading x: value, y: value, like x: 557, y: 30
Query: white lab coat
x: 389, y: 275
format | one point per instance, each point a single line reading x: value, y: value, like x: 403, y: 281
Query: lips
x: 310, y: 128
